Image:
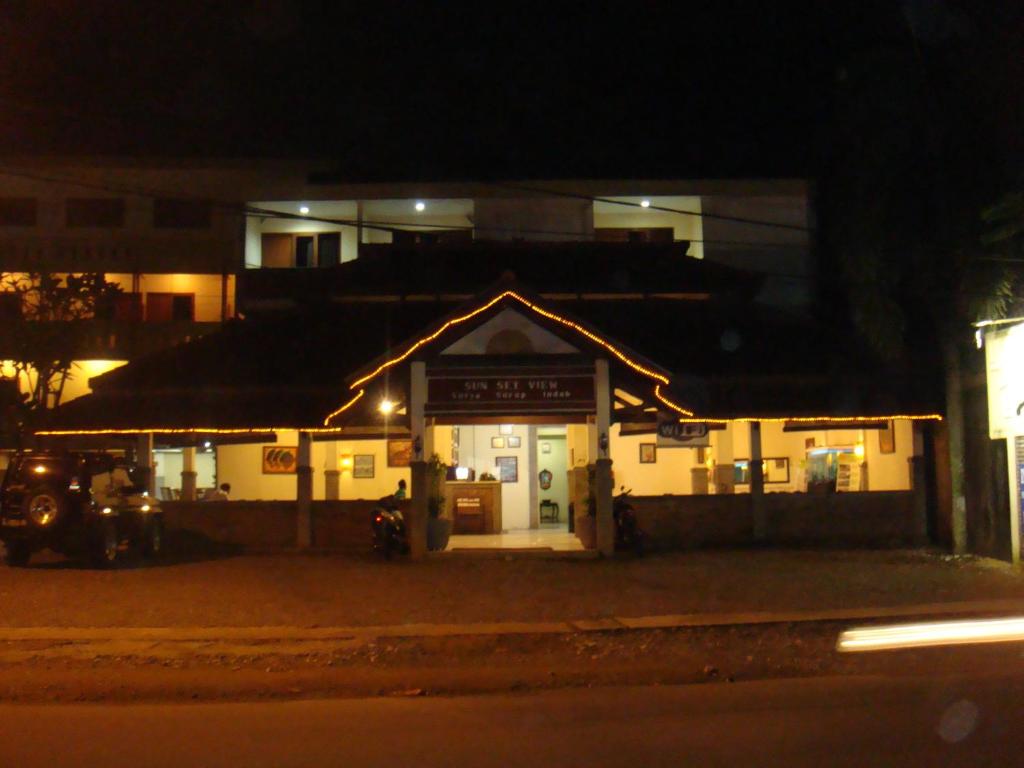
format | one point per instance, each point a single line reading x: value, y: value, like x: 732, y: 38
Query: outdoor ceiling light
x: 345, y: 462
x: 645, y: 203
x: 303, y: 209
x: 39, y: 469
x: 420, y: 205
x: 386, y: 406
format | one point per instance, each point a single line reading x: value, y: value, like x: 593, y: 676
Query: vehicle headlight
x: 107, y: 511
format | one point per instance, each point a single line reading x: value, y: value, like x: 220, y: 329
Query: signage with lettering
x: 673, y: 434
x: 515, y: 393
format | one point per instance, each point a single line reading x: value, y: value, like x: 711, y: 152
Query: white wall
x: 384, y: 481
x: 669, y: 474
x: 683, y: 227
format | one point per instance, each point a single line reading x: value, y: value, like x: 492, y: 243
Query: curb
x: 616, y: 624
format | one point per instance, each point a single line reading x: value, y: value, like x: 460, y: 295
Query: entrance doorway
x: 521, y: 469
x: 552, y: 479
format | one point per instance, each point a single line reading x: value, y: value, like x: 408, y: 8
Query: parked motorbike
x: 389, y: 534
x: 629, y: 537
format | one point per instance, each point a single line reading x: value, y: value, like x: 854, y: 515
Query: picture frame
x: 648, y: 453
x: 497, y: 442
x: 887, y: 438
x: 363, y: 466
x: 280, y: 459
x: 505, y: 429
x: 545, y: 447
x: 508, y: 468
x: 513, y: 441
x: 399, y: 453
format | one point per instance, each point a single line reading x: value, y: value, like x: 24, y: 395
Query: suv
x: 79, y: 504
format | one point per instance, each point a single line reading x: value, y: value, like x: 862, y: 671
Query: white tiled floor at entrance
x: 558, y: 541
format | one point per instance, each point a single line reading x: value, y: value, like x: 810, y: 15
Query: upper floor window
x: 95, y: 212
x: 170, y: 307
x: 17, y: 211
x: 181, y: 214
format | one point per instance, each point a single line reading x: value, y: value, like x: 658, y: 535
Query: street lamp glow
x: 386, y: 407
x: 645, y: 203
x: 420, y: 205
x: 303, y: 209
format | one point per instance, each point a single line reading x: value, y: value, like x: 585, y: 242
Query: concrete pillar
x: 605, y: 521
x: 188, y: 474
x: 416, y: 516
x: 416, y: 513
x: 304, y: 491
x: 332, y: 472
x: 757, y: 509
x: 531, y: 475
x: 144, y: 461
x: 725, y: 479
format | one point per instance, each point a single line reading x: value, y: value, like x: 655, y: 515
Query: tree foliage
x: 58, y: 319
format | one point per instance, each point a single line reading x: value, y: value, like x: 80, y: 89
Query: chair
x: 549, y: 512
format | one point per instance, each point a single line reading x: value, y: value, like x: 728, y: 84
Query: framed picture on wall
x: 887, y: 438
x: 508, y: 469
x: 505, y: 429
x: 399, y: 453
x: 362, y: 466
x: 280, y: 459
x: 648, y: 453
x: 497, y: 442
x: 514, y: 441
x: 545, y: 447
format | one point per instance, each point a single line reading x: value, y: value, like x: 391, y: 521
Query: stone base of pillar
x: 725, y: 478
x: 699, y: 480
x: 603, y: 494
x: 332, y: 484
x: 416, y: 517
x: 304, y: 506
x: 188, y: 485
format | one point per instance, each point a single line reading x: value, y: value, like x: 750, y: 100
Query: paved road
x: 827, y: 721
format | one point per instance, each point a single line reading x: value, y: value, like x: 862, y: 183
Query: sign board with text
x: 673, y: 434
x: 512, y: 393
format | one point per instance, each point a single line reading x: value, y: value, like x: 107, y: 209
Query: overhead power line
x: 653, y: 207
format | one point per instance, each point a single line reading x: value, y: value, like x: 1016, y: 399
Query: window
x: 181, y: 214
x: 95, y: 212
x: 128, y: 307
x: 17, y: 212
x: 170, y: 307
x: 328, y: 246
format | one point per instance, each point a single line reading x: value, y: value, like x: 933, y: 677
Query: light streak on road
x: 933, y: 633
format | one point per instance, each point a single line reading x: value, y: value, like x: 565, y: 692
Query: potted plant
x: 439, y: 527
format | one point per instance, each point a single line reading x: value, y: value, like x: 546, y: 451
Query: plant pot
x: 586, y: 531
x: 438, y: 531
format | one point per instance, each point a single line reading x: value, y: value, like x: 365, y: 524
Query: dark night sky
x: 722, y: 87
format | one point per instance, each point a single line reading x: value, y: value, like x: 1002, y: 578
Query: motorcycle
x: 389, y: 534
x: 628, y: 534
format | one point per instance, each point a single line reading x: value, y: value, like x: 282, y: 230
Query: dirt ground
x: 463, y: 665
x: 323, y: 590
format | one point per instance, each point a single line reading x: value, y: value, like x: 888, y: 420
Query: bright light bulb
x: 420, y: 205
x: 645, y: 203
x: 304, y: 209
x: 858, y: 450
x: 386, y: 407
